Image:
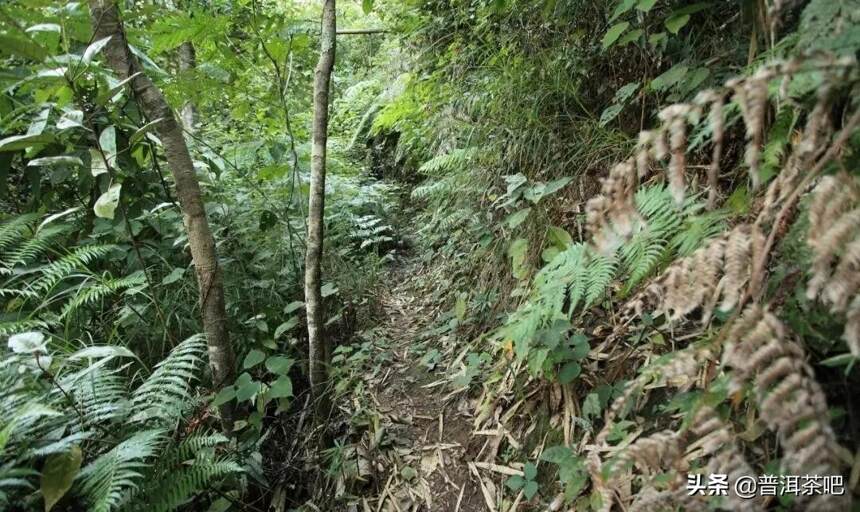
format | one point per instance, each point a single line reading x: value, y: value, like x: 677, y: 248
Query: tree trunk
x: 106, y: 22
x: 187, y: 62
x: 318, y: 344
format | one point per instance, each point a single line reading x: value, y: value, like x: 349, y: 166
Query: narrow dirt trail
x: 429, y: 462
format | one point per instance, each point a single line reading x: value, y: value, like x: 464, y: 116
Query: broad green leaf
x: 671, y: 77
x: 580, y: 349
x: 530, y: 489
x: 366, y: 6
x: 279, y: 365
x: 117, y: 88
x: 93, y: 49
x: 646, y: 5
x: 101, y: 352
x: 141, y: 132
x: 71, y: 119
x: 286, y: 326
x: 558, y: 455
x: 460, y: 308
x: 44, y: 27
x: 50, y: 161
x: 282, y: 388
x: 20, y: 47
x: 540, y: 190
x: 408, y: 473
x: 97, y: 163
x: 610, y: 113
x: 517, y: 218
x: 39, y: 122
x: 622, y: 7
x: 614, y: 33
x: 58, y: 474
x: 19, y: 142
x: 840, y: 360
x: 174, y: 275
x: 328, y: 289
x: 530, y: 471
x: 246, y: 387
x: 253, y: 358
x: 631, y: 36
x: 517, y: 253
x: 559, y: 237
x: 556, y: 185
x: 107, y: 143
x: 657, y: 39
x: 676, y: 23
x: 591, y: 406
x: 292, y: 306
x: 106, y: 204
x: 515, y: 483
x: 568, y: 372
x: 225, y: 395
x: 695, y: 79
x: 626, y: 91
x: 691, y: 9
x: 145, y: 60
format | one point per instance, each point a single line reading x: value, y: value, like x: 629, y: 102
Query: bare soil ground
x: 428, y: 465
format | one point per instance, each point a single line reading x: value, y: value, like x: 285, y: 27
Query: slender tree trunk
x: 318, y: 353
x: 106, y: 22
x: 187, y: 62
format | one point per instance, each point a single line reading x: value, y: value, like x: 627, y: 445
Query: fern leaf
x: 105, y: 482
x: 600, y: 272
x: 14, y: 231
x: 163, y: 394
x: 94, y: 292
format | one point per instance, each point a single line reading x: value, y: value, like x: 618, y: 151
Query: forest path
x: 428, y: 462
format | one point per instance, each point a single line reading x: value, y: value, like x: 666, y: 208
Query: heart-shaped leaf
x: 58, y: 474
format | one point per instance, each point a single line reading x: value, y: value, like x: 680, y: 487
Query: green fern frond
x: 10, y: 327
x: 642, y: 263
x: 94, y: 292
x: 662, y: 234
x: 696, y: 230
x: 436, y: 189
x: 192, y: 445
x: 183, y: 483
x: 58, y: 270
x: 16, y: 292
x: 599, y: 275
x: 106, y: 481
x: 36, y: 246
x: 13, y: 231
x: 447, y: 162
x: 164, y: 393
x: 100, y: 394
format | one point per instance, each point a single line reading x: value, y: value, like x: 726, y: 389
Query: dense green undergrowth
x: 511, y: 120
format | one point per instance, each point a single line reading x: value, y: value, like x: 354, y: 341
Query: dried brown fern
x: 663, y: 450
x: 719, y: 270
x: 725, y: 274
x: 612, y: 214
x: 834, y: 237
x: 790, y: 400
x: 717, y: 443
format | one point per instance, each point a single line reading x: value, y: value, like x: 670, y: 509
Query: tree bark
x: 106, y: 22
x: 318, y: 344
x: 187, y: 62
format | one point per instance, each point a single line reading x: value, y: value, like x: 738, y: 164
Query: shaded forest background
x: 635, y: 226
